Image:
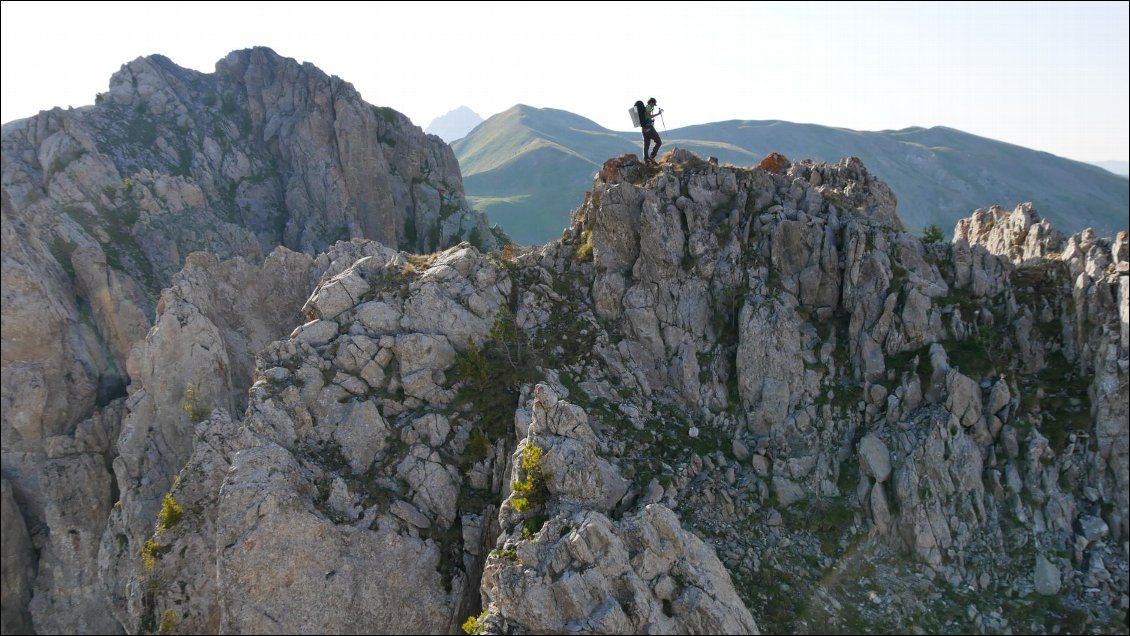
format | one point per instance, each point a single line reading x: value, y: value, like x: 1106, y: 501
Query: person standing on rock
x: 647, y: 122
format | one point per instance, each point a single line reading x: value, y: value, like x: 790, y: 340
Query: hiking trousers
x: 649, y: 135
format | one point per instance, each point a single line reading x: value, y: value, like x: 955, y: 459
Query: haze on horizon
x: 1049, y: 76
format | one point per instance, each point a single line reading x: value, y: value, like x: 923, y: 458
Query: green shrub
x: 490, y: 376
x: 509, y: 554
x: 151, y: 552
x: 171, y: 513
x: 194, y: 406
x: 229, y: 104
x: 533, y: 525
x: 60, y: 163
x: 584, y: 252
x: 385, y: 113
x: 168, y: 622
x: 509, y: 339
x: 472, y: 366
x: 531, y: 492
x: 476, y: 624
x: 477, y: 239
x: 410, y: 235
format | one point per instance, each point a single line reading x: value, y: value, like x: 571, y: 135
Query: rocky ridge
x: 103, y: 206
x: 725, y: 400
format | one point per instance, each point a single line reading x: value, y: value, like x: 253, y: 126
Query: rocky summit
x: 725, y: 401
x: 168, y: 173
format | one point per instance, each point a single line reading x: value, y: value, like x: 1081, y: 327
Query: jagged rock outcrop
x: 1020, y: 236
x: 565, y: 566
x: 818, y: 389
x: 188, y: 518
x: 725, y: 400
x: 199, y: 356
x: 263, y: 152
x: 346, y: 461
x: 1094, y: 326
x: 102, y: 206
x: 73, y: 474
x: 885, y: 385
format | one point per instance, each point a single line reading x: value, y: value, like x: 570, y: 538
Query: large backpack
x: 637, y: 113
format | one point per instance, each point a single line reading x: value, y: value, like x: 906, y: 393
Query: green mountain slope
x: 528, y: 167
x: 531, y: 194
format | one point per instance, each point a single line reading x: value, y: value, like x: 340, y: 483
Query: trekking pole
x: 663, y: 121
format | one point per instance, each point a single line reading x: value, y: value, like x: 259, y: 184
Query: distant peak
x: 460, y: 110
x: 455, y: 124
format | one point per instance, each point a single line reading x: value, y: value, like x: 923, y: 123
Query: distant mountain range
x: 528, y: 167
x: 454, y: 124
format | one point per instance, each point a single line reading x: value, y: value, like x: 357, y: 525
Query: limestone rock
x: 77, y: 487
x: 1046, y: 577
x: 757, y: 379
x: 103, y: 205
x: 19, y: 561
x: 1020, y: 235
x: 263, y: 513
x: 173, y: 580
x: 582, y: 571
x: 874, y: 458
x: 587, y: 573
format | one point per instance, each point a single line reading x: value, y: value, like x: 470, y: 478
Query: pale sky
x: 1049, y: 76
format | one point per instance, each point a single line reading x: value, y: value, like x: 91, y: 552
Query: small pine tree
x: 932, y: 234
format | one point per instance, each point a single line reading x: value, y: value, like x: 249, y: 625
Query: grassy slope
x: 541, y: 161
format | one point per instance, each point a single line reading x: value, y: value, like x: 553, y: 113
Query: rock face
x: 581, y: 571
x: 726, y: 400
x: 346, y: 462
x: 198, y: 357
x: 19, y: 564
x: 103, y: 205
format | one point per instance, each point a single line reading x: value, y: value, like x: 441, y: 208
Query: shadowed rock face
x: 725, y: 400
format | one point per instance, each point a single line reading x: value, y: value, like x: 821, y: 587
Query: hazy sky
x: 1049, y: 76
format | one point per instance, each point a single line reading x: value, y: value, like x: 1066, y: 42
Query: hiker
x: 647, y: 122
